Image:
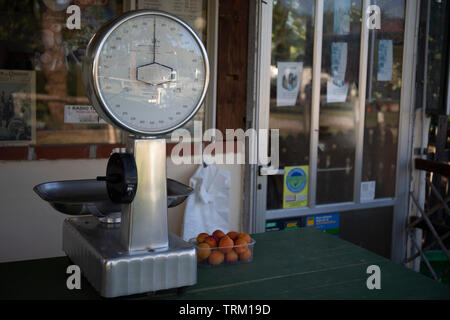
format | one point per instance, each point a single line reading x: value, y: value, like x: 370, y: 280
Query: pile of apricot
x: 219, y: 247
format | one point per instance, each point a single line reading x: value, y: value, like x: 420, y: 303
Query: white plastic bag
x: 208, y: 208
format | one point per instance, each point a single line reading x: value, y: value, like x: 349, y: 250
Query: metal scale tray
x: 84, y: 197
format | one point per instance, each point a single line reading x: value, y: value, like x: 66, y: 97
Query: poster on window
x: 385, y: 60
x: 17, y: 107
x: 338, y: 61
x: 295, y: 187
x: 81, y: 114
x: 288, y: 83
x: 336, y: 93
x: 367, y: 191
x: 341, y: 23
x: 328, y: 222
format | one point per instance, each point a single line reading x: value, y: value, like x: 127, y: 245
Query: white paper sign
x: 341, y: 23
x: 385, y: 60
x: 288, y: 82
x: 81, y: 114
x: 336, y: 93
x: 367, y: 191
x: 338, y: 61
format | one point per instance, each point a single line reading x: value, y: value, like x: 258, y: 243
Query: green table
x: 295, y: 264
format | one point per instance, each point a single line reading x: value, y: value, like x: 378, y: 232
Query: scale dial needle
x: 154, y: 40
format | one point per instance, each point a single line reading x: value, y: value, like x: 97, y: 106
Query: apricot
x: 245, y: 236
x: 216, y: 257
x: 202, y: 237
x: 240, y: 246
x: 203, y: 251
x: 226, y: 244
x: 233, y: 235
x: 218, y: 234
x: 231, y: 257
x: 245, y: 255
x: 211, y: 240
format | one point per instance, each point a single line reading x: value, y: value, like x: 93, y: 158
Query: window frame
x: 255, y: 211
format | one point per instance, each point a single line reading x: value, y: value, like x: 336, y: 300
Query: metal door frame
x: 258, y: 109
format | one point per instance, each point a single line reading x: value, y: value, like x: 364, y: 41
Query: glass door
x: 336, y: 86
x: 290, y: 88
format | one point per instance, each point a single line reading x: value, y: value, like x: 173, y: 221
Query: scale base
x: 113, y: 271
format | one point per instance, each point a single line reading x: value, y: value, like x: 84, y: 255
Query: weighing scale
x: 145, y: 72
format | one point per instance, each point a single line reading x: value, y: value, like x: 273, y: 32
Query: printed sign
x: 272, y: 226
x: 385, y: 60
x: 338, y: 61
x: 367, y: 191
x: 327, y: 222
x: 336, y: 92
x: 337, y: 89
x: 81, y: 114
x: 284, y: 224
x: 288, y: 83
x: 341, y: 23
x: 295, y: 192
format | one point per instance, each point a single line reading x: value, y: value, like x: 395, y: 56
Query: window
x: 42, y: 97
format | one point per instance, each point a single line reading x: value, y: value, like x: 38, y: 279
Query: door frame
x: 258, y: 111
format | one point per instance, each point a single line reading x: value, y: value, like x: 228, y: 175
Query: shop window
x: 339, y: 147
x: 339, y: 101
x: 42, y: 97
x: 292, y: 47
x: 433, y: 57
x: 384, y: 83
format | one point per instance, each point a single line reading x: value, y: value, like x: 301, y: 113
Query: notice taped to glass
x: 385, y: 60
x: 288, y: 83
x: 295, y: 188
x: 17, y: 107
x: 81, y: 114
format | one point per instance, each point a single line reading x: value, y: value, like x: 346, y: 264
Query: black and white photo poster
x: 17, y: 107
x: 288, y: 83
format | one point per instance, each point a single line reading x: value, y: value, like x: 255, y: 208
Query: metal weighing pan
x: 84, y: 197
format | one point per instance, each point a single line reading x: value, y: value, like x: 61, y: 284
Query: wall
x: 232, y: 60
x: 31, y: 229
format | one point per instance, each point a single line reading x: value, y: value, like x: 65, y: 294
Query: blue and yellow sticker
x: 328, y: 222
x: 295, y: 189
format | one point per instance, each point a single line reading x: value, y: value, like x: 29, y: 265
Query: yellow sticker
x: 295, y: 187
x: 291, y: 224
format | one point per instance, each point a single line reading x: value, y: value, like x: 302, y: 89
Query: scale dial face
x: 146, y: 72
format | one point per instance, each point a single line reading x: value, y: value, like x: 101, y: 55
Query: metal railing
x: 425, y: 221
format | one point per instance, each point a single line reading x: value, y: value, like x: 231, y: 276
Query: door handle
x: 270, y: 171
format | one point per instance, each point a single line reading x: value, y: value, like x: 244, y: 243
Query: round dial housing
x: 146, y: 72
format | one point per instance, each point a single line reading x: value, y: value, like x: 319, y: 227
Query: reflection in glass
x: 290, y: 90
x: 437, y: 69
x: 34, y: 37
x: 383, y: 98
x: 339, y: 100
